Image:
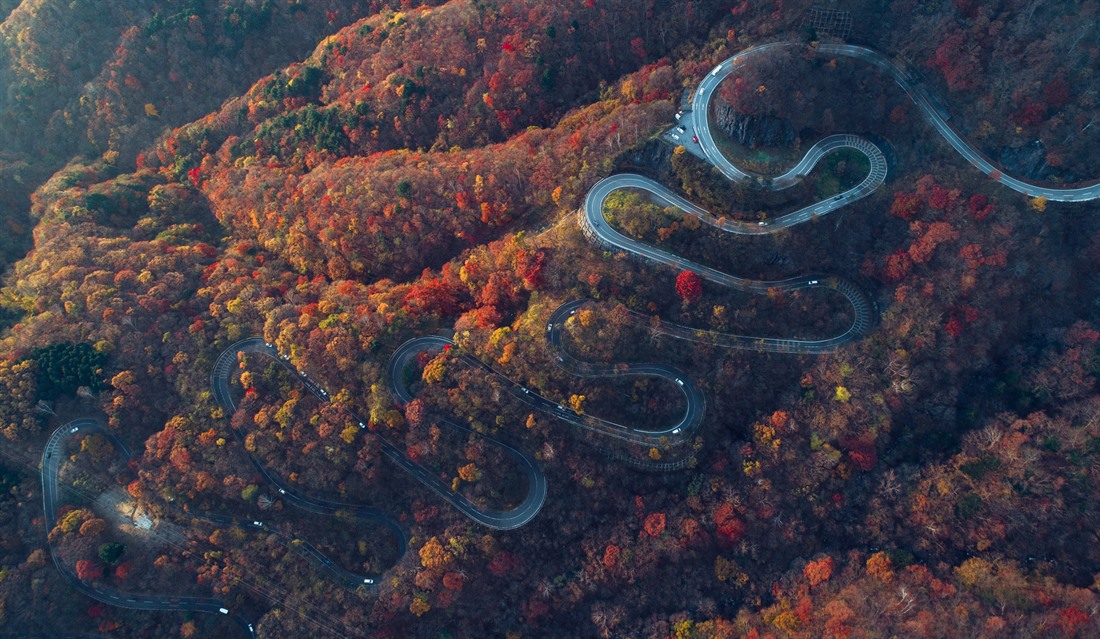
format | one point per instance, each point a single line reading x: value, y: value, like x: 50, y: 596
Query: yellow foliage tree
x: 419, y: 606
x: 73, y: 520
x: 433, y: 556
x: 469, y: 473
x: 123, y: 379
x: 787, y: 621
x: 880, y: 566
x: 974, y: 571
x: 433, y: 372
x: 683, y: 629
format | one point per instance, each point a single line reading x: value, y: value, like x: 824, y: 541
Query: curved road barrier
x: 51, y: 462
x: 499, y: 520
x: 863, y: 309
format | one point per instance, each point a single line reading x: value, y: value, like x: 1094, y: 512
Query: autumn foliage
x: 88, y: 571
x: 655, y: 524
x: 338, y: 178
x: 689, y: 286
x: 818, y: 571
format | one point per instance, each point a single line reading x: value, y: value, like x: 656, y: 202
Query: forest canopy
x: 225, y: 222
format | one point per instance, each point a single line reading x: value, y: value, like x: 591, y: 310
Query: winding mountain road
x: 904, y: 79
x: 681, y: 429
x: 596, y: 227
x: 862, y: 307
x: 219, y: 384
x: 52, y: 455
x: 696, y: 123
x: 499, y: 520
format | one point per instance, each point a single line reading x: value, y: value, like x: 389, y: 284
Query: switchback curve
x: 862, y: 307
x: 499, y: 520
x: 509, y: 519
x: 906, y: 79
x: 679, y: 430
x: 51, y: 463
x: 219, y: 384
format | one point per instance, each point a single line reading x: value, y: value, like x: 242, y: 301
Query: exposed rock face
x: 652, y: 159
x: 754, y: 130
x: 1028, y: 161
x: 650, y: 155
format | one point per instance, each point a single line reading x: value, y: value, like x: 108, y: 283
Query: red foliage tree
x: 431, y: 296
x: 122, y: 571
x: 88, y: 570
x: 1072, y: 618
x: 906, y: 205
x: 898, y: 266
x: 1029, y: 114
x: 955, y: 59
x: 972, y: 255
x: 818, y: 571
x: 730, y: 528
x: 863, y: 455
x: 453, y: 581
x: 937, y: 233
x: 941, y: 199
x: 503, y: 563
x: 689, y: 286
x: 978, y: 206
x: 655, y: 524
x: 611, y: 556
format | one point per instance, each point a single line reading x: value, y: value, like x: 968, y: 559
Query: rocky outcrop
x: 651, y: 159
x: 1028, y: 161
x: 754, y: 130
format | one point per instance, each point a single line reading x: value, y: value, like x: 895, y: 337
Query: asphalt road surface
x: 219, y: 384
x: 597, y: 228
x: 679, y: 430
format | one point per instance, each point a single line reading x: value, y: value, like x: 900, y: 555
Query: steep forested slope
x: 339, y: 177
x: 84, y: 79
